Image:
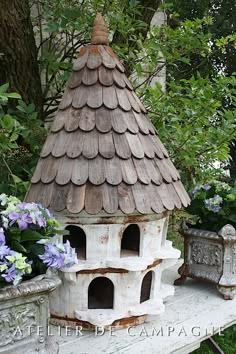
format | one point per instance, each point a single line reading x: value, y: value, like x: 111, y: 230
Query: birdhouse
x: 108, y: 178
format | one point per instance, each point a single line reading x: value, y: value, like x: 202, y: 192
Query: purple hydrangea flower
x: 70, y: 255
x: 2, y: 237
x: 197, y: 188
x: 53, y: 260
x: 52, y: 249
x: 41, y: 221
x: 52, y: 256
x: 14, y: 216
x: 24, y: 220
x: 22, y: 205
x: 58, y: 255
x: 11, y: 274
x: 11, y: 253
x: 4, y: 251
x: 206, y: 187
x: 213, y: 204
x: 216, y: 208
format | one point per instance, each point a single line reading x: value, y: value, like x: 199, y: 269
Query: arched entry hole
x: 77, y: 240
x: 130, y: 242
x: 146, y: 287
x: 101, y: 293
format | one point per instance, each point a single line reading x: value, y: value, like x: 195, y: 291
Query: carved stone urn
x: 210, y: 256
x: 24, y: 315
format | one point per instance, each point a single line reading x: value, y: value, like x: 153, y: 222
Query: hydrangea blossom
x: 25, y: 215
x: 11, y: 274
x: 58, y: 255
x: 13, y: 265
x: 19, y: 216
x: 214, y: 204
x: 197, y: 188
x: 2, y: 237
x: 206, y: 187
x: 4, y: 251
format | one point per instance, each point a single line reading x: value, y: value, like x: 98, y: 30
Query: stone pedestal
x: 210, y: 256
x: 24, y: 314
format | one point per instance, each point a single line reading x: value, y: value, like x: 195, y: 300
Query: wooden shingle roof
x: 102, y: 153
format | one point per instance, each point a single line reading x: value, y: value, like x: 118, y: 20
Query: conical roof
x: 102, y: 153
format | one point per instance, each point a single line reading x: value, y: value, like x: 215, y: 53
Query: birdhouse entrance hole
x: 130, y: 242
x: 146, y: 287
x: 100, y: 293
x: 77, y: 240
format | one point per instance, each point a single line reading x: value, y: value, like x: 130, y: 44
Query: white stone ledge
x: 130, y: 263
x: 134, y: 263
x: 149, y: 307
x: 101, y: 317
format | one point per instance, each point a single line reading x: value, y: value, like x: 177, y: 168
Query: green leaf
x: 36, y: 249
x: 231, y: 217
x: 14, y: 95
x: 8, y: 122
x: 4, y: 88
x: 14, y: 236
x: 16, y: 179
x: 31, y: 235
x: 18, y: 247
x: 52, y: 27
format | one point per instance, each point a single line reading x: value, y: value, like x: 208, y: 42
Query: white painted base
x: 71, y: 299
x: 101, y: 317
x: 125, y: 269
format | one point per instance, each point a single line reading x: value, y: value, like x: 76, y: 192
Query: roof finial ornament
x: 99, y: 32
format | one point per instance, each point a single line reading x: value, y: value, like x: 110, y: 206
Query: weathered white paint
x: 103, y: 250
x: 127, y: 290
x: 104, y: 242
x: 84, y: 218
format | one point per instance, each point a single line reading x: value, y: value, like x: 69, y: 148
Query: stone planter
x: 210, y: 256
x: 24, y: 314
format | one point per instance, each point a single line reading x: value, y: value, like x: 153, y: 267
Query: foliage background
x: 194, y: 117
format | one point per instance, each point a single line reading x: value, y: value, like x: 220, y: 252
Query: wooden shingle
x: 73, y: 119
x: 87, y: 119
x: 80, y: 171
x: 76, y: 144
x: 106, y: 145
x: 75, y: 79
x: 103, y: 120
x: 89, y: 77
x: 105, y: 76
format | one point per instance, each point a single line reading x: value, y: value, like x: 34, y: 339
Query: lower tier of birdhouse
x: 104, y: 297
x: 118, y: 279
